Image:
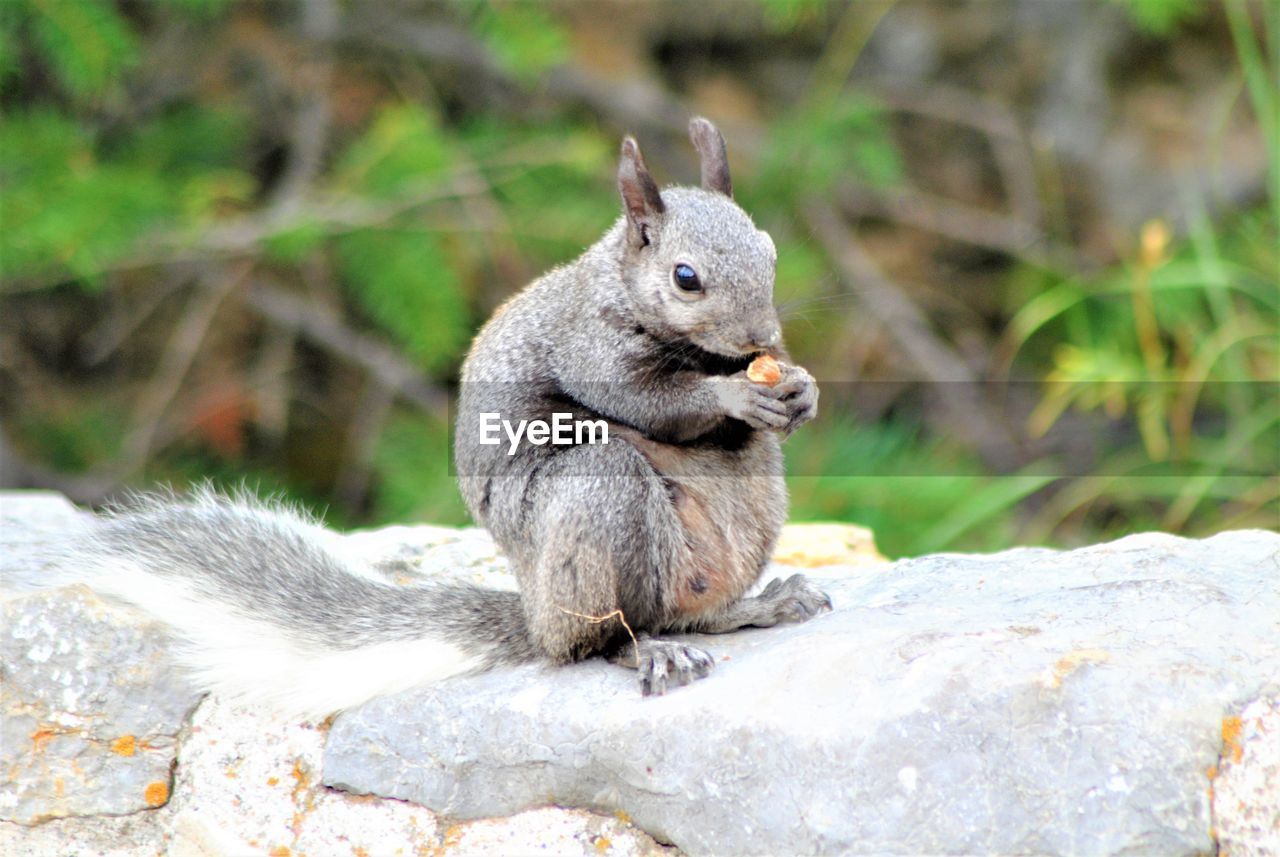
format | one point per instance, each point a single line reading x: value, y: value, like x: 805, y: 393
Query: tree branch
x: 941, y: 366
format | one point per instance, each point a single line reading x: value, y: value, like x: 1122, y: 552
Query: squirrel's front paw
x: 795, y: 599
x: 798, y: 392
x: 757, y: 405
x: 662, y: 661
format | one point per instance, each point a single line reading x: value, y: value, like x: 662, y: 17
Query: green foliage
x: 403, y: 150
x: 64, y: 209
x: 787, y: 15
x: 76, y: 206
x: 1187, y: 341
x: 186, y: 141
x: 917, y: 493
x: 802, y: 270
x: 416, y: 482
x: 76, y: 438
x: 10, y: 41
x: 404, y: 280
x: 562, y: 167
x: 294, y: 242
x: 87, y: 43
x: 1260, y: 76
x: 201, y: 10
x: 815, y: 146
x: 524, y: 37
x: 1161, y: 17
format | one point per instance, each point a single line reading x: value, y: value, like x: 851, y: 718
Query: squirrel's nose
x: 765, y: 337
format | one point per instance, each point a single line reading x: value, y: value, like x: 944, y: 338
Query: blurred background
x: 1028, y: 248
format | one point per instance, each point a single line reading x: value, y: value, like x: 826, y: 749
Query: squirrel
x: 662, y: 529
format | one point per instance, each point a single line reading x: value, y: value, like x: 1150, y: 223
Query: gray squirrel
x: 662, y: 530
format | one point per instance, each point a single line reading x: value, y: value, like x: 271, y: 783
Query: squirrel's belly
x: 730, y: 515
x: 730, y: 529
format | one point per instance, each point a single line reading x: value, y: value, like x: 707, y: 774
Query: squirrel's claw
x: 663, y: 660
x: 794, y: 599
x: 800, y: 396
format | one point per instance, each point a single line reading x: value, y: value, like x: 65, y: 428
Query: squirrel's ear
x: 715, y: 161
x: 640, y: 195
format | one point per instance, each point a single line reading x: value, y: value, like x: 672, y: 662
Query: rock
x: 32, y: 525
x: 249, y: 784
x: 816, y: 545
x: 1031, y: 701
x: 91, y: 709
x: 1245, y: 787
x: 1116, y: 699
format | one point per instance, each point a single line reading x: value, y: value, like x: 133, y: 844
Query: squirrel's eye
x: 687, y: 278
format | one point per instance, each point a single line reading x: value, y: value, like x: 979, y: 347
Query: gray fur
x: 251, y: 557
x: 675, y: 519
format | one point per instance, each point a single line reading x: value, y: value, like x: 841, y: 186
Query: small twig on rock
x: 596, y: 620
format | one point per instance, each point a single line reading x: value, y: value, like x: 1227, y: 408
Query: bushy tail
x: 266, y: 608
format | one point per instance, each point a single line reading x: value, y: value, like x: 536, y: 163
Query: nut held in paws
x: 764, y: 370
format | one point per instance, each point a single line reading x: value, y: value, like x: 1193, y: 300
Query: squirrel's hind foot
x: 795, y: 599
x: 661, y: 662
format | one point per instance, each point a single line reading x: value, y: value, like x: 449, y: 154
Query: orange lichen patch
x: 1231, y: 738
x: 300, y: 782
x: 125, y: 745
x: 603, y: 844
x: 452, y: 836
x: 301, y: 795
x: 41, y: 737
x: 1212, y: 772
x: 359, y: 852
x: 280, y: 851
x: 621, y: 815
x: 814, y: 545
x: 156, y: 794
x: 1072, y: 661
x: 273, y: 781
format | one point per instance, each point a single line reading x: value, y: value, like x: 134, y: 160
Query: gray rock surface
x: 1031, y: 701
x: 248, y: 785
x: 1246, y: 783
x: 1117, y: 699
x: 91, y: 708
